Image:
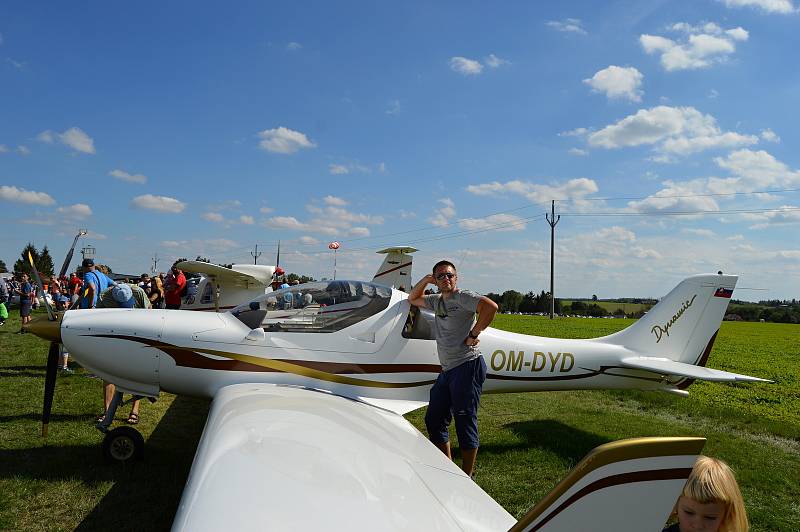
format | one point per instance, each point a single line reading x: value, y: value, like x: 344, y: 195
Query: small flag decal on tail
x: 723, y: 292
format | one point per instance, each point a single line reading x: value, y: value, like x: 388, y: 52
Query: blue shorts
x: 457, y: 392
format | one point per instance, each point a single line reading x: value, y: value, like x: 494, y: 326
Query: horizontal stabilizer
x: 670, y: 367
x: 239, y: 274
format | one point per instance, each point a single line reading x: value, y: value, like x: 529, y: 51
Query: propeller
x: 47, y: 329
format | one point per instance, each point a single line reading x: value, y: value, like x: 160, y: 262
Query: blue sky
x: 663, y: 130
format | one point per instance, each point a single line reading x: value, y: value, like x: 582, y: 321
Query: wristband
x: 473, y: 336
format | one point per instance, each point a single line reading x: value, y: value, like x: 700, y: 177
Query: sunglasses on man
x: 440, y: 276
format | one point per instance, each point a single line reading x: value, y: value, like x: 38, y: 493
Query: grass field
x: 529, y: 441
x: 612, y: 306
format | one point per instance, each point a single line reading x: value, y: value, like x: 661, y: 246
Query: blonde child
x: 710, y: 501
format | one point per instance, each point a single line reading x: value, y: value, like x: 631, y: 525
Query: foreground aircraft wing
x: 665, y: 366
x: 283, y: 458
x: 227, y: 275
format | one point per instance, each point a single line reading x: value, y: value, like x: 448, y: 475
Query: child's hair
x: 713, y: 481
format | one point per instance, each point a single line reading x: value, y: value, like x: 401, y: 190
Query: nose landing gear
x: 122, y: 444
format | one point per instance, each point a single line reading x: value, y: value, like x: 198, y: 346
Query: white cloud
x: 785, y: 214
x: 495, y: 222
x: 3, y: 148
x: 20, y: 195
x: 338, y: 169
x: 569, y: 25
x: 294, y: 46
x: 574, y: 189
x: 309, y: 240
x: 79, y: 210
x: 213, y: 217
x: 699, y: 232
x: 358, y: 231
x: 46, y: 136
x: 158, y: 203
x: 750, y: 171
x: 468, y: 67
x: 713, y: 93
x: 441, y: 216
x: 283, y: 140
x: 577, y: 132
x: 394, y: 107
x: 130, y: 178
x: 578, y: 152
x: 285, y: 222
x: 675, y: 130
x: 78, y: 140
x: 701, y: 47
x: 23, y: 150
x: 265, y: 210
x: 16, y: 64
x: 334, y: 200
x: 246, y: 220
x: 769, y: 135
x: 381, y: 167
x: 783, y: 7
x: 494, y: 62
x: 617, y: 82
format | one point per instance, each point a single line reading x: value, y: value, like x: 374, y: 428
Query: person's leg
x: 466, y: 388
x: 108, y: 393
x: 438, y: 416
x: 133, y: 419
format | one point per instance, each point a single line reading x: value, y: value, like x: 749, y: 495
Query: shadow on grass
x: 144, y: 495
x: 54, y: 418
x: 567, y: 442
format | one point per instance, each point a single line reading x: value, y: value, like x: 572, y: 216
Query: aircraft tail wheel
x: 123, y: 444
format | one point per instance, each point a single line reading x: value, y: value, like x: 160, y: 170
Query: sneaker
x: 67, y: 370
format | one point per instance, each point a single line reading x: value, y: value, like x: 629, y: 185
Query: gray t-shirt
x: 455, y: 317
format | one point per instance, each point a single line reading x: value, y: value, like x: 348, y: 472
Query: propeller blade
x: 49, y: 385
x: 50, y: 314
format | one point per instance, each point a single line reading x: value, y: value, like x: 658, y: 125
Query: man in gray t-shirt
x: 457, y: 390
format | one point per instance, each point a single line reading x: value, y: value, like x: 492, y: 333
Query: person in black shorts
x: 457, y: 391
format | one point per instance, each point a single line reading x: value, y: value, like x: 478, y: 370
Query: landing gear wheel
x: 123, y: 444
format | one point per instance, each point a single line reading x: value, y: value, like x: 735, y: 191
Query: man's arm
x: 486, y: 311
x: 415, y: 296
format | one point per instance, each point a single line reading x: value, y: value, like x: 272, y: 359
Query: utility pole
x: 154, y: 267
x: 255, y: 254
x: 552, y: 221
x: 278, y: 258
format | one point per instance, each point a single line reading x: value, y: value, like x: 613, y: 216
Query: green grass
x: 529, y: 441
x: 612, y: 306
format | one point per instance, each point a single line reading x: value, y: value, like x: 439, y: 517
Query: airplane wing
x: 665, y: 366
x: 285, y: 458
x: 227, y: 275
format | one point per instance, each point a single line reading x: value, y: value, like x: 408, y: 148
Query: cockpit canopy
x: 314, y: 307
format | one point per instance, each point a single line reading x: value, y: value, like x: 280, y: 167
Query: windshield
x: 315, y: 307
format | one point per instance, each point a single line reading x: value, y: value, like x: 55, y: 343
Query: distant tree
x: 510, y: 301
x: 45, y: 263
x: 3, y: 268
x: 202, y: 259
x: 595, y: 310
x: 497, y: 298
x: 578, y: 307
x: 301, y: 278
x: 594, y: 297
x: 22, y: 265
x: 528, y: 303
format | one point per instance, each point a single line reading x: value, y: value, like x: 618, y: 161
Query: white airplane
x: 219, y: 288
x: 395, y: 272
x: 309, y: 385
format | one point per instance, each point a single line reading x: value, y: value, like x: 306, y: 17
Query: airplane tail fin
x: 626, y: 485
x: 683, y: 325
x: 395, y: 272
